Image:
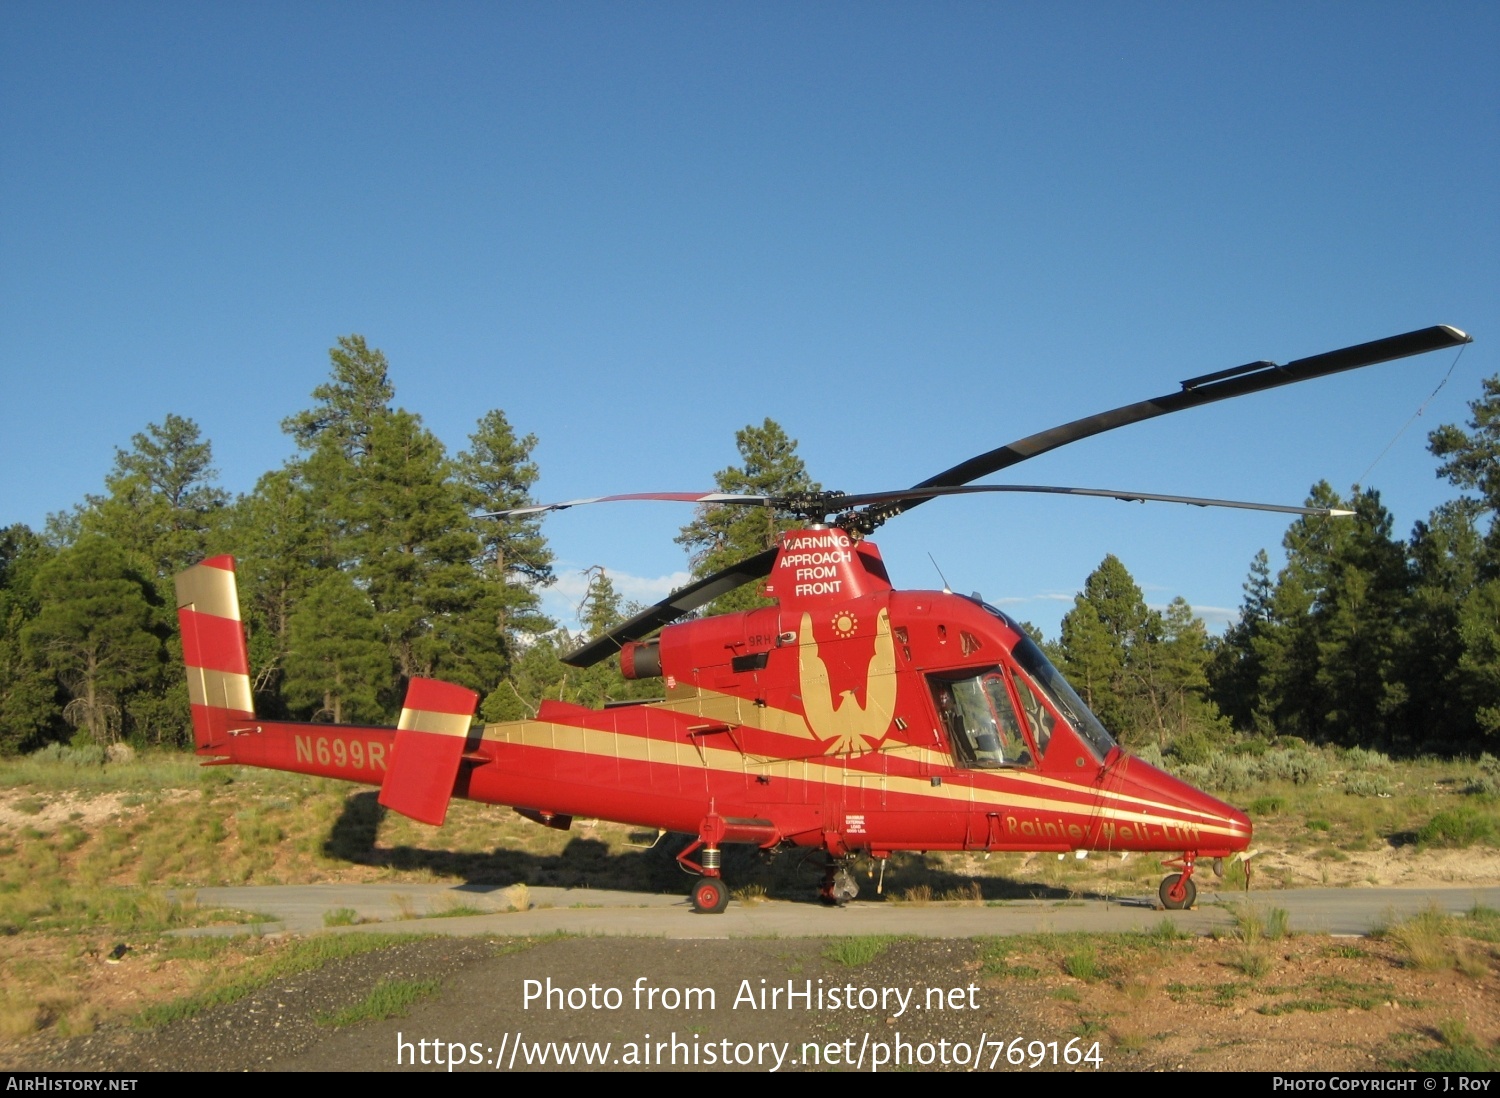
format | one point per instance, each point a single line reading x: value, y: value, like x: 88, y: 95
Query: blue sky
x: 909, y: 233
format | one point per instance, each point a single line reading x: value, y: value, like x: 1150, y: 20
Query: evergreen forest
x: 362, y: 563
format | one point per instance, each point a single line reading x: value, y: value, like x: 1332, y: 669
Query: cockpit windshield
x: 1058, y: 691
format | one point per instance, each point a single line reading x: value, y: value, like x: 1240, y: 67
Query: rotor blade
x: 673, y: 607
x: 1238, y: 381
x: 669, y: 497
x: 865, y: 498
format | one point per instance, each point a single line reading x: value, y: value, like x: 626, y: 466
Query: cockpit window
x: 981, y: 722
x: 1038, y: 716
x: 1050, y: 683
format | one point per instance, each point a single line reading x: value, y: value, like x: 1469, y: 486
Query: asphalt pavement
x: 488, y: 909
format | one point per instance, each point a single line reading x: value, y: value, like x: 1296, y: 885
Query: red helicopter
x: 849, y: 717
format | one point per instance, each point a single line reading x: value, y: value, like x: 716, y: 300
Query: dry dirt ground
x: 1320, y: 1004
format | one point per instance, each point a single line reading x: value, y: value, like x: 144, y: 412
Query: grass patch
x: 1254, y: 929
x: 458, y: 911
x: 1253, y: 925
x: 1457, y: 1050
x: 1252, y: 961
x: 1084, y: 964
x: 1166, y: 931
x: 1434, y: 941
x: 852, y: 952
x: 387, y: 999
x: 287, y: 959
x: 995, y: 961
x: 1424, y: 939
x: 341, y: 916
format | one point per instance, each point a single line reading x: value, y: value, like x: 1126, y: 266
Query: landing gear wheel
x: 840, y: 885
x: 709, y: 896
x: 1186, y: 893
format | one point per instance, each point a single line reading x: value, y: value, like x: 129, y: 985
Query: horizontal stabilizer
x: 430, y: 740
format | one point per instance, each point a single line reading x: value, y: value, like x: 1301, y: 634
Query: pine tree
x: 98, y: 632
x: 389, y: 508
x: 1286, y: 649
x: 1107, y: 641
x: 1359, y: 619
x: 281, y: 554
x: 722, y: 536
x: 30, y: 706
x: 498, y: 474
x: 413, y: 546
x: 1236, y: 669
x: 1472, y: 462
x: 1473, y: 457
x: 1094, y: 662
x: 1479, y: 665
x: 514, y: 562
x: 349, y: 405
x: 1445, y: 557
x: 1185, y: 652
x: 600, y: 610
x: 337, y: 665
x: 161, y: 501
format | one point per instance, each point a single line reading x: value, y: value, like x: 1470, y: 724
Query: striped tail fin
x: 213, y: 647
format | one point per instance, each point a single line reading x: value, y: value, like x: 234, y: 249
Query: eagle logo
x: 844, y: 724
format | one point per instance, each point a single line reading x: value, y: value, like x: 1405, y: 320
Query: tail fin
x: 430, y: 740
x: 213, y: 647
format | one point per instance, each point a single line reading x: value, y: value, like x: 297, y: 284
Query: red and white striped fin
x: 430, y: 739
x: 213, y: 647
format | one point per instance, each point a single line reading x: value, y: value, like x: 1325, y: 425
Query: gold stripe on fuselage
x: 600, y: 743
x: 732, y: 710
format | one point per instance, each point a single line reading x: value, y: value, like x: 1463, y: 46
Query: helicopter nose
x: 1181, y: 813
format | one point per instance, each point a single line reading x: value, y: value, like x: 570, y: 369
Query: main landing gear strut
x: 710, y: 895
x: 839, y: 883
x: 1178, y: 892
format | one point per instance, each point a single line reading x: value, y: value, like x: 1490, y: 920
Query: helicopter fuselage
x: 849, y: 717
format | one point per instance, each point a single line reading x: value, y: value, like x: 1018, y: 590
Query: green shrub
x: 1367, y: 785
x: 1357, y: 758
x: 1193, y: 748
x: 1460, y: 826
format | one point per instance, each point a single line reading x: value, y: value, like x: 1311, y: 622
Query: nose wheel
x: 1177, y: 891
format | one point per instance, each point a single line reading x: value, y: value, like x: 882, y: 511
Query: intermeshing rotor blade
x: 863, y: 499
x: 668, y: 497
x: 673, y: 607
x: 1237, y: 381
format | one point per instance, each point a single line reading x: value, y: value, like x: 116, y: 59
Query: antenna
x: 946, y: 589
